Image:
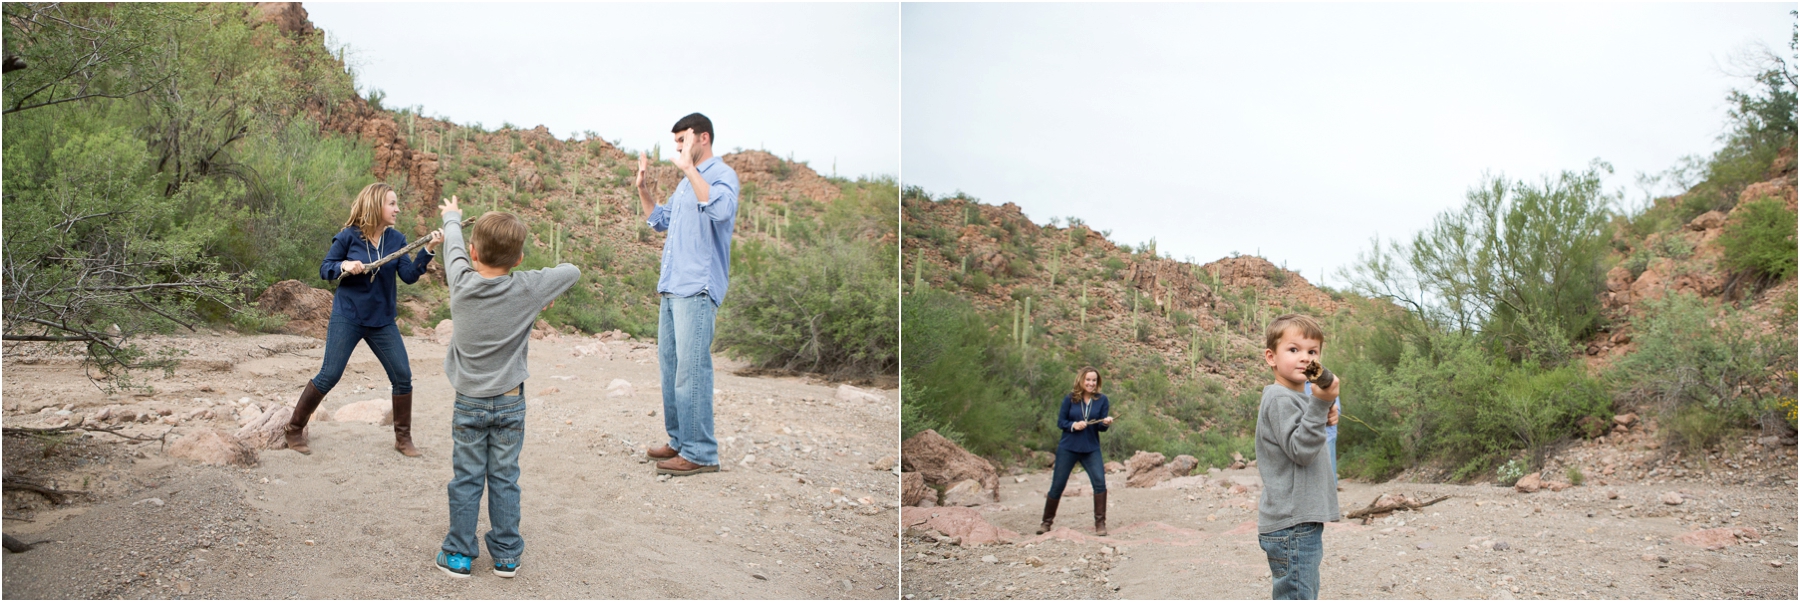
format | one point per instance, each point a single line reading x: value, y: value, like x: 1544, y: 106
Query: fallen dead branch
x: 47, y: 433
x: 56, y: 496
x: 1375, y: 508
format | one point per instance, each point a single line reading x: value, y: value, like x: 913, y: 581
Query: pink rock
x: 1529, y: 483
x: 1722, y: 537
x: 212, y: 447
x: 443, y: 331
x: 379, y: 411
x: 965, y: 524
x: 942, y: 462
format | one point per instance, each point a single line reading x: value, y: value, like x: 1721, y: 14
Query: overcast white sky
x: 819, y: 81
x: 1302, y: 130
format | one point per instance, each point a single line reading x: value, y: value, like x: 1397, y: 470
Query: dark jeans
x: 1092, y: 462
x: 489, y: 433
x: 1294, y: 554
x: 341, y: 337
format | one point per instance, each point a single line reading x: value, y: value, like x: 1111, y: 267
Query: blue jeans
x: 1294, y: 554
x: 489, y: 433
x: 684, y: 335
x: 341, y: 337
x: 1092, y: 462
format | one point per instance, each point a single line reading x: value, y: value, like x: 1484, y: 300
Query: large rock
x: 288, y: 16
x: 443, y: 331
x: 965, y: 524
x: 1529, y: 483
x: 307, y: 309
x: 849, y: 393
x: 942, y: 462
x: 1146, y: 469
x: 268, y: 429
x: 966, y: 493
x: 1722, y: 537
x: 913, y: 489
x: 1707, y: 221
x: 212, y: 447
x: 379, y: 411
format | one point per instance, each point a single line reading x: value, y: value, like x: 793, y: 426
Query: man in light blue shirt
x: 696, y: 269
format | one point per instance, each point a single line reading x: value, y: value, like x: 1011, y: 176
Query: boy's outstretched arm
x: 456, y: 252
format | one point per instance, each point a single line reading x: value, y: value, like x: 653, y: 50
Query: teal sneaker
x: 456, y: 565
x: 506, y: 569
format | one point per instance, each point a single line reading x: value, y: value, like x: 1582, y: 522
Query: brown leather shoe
x: 296, y: 438
x: 295, y: 431
x: 403, y: 426
x: 681, y: 467
x: 662, y: 453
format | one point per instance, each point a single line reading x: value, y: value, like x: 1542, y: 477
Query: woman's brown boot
x: 1100, y: 513
x: 403, y: 425
x: 1049, y: 514
x: 295, y: 431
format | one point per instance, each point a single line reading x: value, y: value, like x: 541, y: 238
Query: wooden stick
x: 1371, y: 510
x: 410, y: 247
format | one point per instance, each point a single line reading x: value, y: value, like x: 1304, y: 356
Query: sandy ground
x: 1200, y: 543
x: 357, y: 520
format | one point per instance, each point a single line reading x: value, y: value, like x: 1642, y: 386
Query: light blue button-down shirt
x: 697, y: 254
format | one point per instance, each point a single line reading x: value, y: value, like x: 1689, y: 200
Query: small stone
x: 154, y: 501
x: 1501, y: 546
x: 1034, y: 561
x: 847, y: 586
x: 184, y: 587
x: 1775, y: 563
x: 756, y: 575
x: 1425, y: 545
x: 990, y: 559
x: 1612, y: 495
x: 1648, y: 558
x: 662, y: 477
x: 1672, y: 498
x: 309, y: 542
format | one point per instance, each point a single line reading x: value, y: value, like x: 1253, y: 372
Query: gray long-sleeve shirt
x: 493, y: 317
x: 1298, y: 484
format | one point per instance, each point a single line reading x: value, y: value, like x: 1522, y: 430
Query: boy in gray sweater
x: 1299, y: 489
x: 494, y: 310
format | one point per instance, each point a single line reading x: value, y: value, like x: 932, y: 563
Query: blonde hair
x: 501, y: 238
x: 1309, y: 328
x: 365, y: 211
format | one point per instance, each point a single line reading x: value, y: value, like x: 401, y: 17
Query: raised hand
x: 685, y: 159
x: 437, y: 238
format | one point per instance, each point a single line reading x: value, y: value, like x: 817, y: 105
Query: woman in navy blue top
x: 363, y: 309
x: 1084, y: 415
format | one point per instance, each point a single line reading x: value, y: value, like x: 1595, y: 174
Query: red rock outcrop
x: 307, y: 309
x: 942, y: 462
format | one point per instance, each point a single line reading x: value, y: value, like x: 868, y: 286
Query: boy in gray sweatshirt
x: 1299, y: 488
x: 494, y: 309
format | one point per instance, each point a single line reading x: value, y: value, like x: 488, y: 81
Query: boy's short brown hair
x: 501, y: 238
x: 1309, y: 328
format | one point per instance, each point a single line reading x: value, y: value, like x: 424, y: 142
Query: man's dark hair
x: 697, y: 122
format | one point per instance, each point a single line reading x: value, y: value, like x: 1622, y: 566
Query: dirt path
x: 1200, y: 543
x: 357, y: 520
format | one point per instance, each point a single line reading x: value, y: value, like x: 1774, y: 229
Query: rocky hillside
x: 1080, y: 285
x: 1688, y: 257
x: 577, y: 193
